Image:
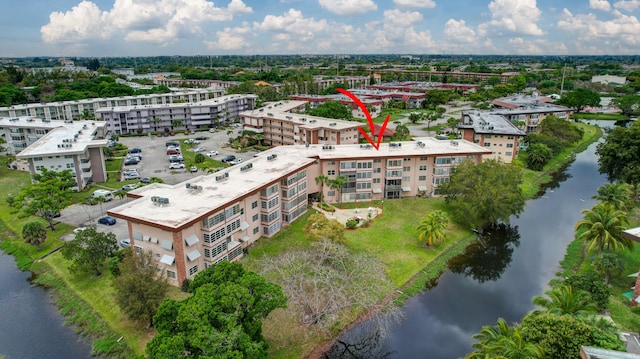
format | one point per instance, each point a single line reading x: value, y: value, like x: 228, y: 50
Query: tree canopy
x: 331, y: 109
x: 46, y: 197
x: 484, y: 193
x: 318, y: 227
x: 89, y: 250
x: 628, y: 104
x: 580, y: 98
x: 618, y: 156
x: 221, y: 320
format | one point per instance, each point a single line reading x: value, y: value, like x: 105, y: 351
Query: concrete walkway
x: 343, y: 215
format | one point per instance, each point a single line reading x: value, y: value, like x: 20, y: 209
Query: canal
x: 497, y: 277
x: 31, y: 325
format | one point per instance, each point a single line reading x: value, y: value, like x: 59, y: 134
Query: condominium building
x: 176, y: 116
x: 492, y: 131
x: 19, y: 133
x: 411, y: 99
x: 374, y: 106
x: 71, y: 110
x: 423, y: 87
x: 532, y: 116
x: 210, y: 218
x: 58, y: 146
x: 281, y: 126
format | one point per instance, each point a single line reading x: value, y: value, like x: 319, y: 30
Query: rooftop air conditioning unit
x: 272, y: 157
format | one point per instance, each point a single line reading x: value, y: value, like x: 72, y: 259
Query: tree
x: 432, y: 227
x: 199, y: 158
x: 415, y: 117
x: 139, y: 289
x: 89, y: 250
x: 435, y: 98
x: 561, y: 336
x: 618, y: 156
x: 222, y: 319
x: 628, y: 104
x: 34, y: 233
x: 322, y: 180
x: 331, y: 109
x: 503, y: 341
x: 484, y: 193
x: 566, y: 300
x: 616, y: 194
x: 336, y: 185
x: 46, y: 197
x: 580, y: 98
x: 538, y: 155
x: 452, y: 122
x: 592, y: 283
x: 560, y: 129
x: 601, y: 229
x: 319, y: 227
x: 327, y: 283
x: 608, y: 264
x: 401, y: 132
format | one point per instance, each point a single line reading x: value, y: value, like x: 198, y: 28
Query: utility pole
x: 562, y: 84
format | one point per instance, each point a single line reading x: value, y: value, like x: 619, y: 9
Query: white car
x: 212, y: 153
x: 199, y: 149
x: 176, y: 165
x: 235, y: 162
x: 129, y: 187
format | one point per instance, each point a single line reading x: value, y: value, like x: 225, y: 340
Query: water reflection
x: 365, y: 341
x: 488, y: 257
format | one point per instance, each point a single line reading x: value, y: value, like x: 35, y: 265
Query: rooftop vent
x: 454, y: 143
x: 395, y: 144
x: 421, y: 144
x: 272, y: 157
x: 160, y: 201
x: 327, y: 147
x: 366, y: 146
x: 193, y: 187
x: 222, y: 177
x: 333, y: 124
x: 246, y: 167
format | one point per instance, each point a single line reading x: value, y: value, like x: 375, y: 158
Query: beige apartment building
x: 492, y: 131
x: 210, y: 218
x: 282, y: 123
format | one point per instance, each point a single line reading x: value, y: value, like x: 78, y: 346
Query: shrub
x: 352, y: 223
x: 186, y: 284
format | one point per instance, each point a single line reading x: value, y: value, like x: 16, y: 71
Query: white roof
x: 68, y: 138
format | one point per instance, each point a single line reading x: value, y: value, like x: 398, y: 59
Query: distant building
x: 518, y: 101
x: 71, y: 110
x: 493, y: 131
x: 57, y: 146
x: 176, y: 116
x: 609, y: 80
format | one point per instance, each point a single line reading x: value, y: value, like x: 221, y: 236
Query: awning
x: 167, y: 259
x: 232, y: 245
x: 376, y: 190
x: 153, y: 240
x: 422, y: 188
x: 245, y: 238
x: 406, y: 189
x: 191, y: 240
x: 244, y: 225
x: 193, y: 255
x: 146, y: 238
x: 167, y: 244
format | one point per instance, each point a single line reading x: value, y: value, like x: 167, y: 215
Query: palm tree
x: 336, y: 184
x: 617, y: 194
x: 432, y: 227
x: 34, y: 233
x: 259, y: 137
x: 491, y: 334
x: 565, y: 300
x: 322, y: 180
x: 514, y: 347
x: 601, y: 228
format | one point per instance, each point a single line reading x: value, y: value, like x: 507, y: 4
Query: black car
x: 228, y: 158
x: 135, y: 150
x: 108, y: 220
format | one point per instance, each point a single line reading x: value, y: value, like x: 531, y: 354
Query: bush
x: 327, y: 207
x: 352, y: 223
x: 594, y: 284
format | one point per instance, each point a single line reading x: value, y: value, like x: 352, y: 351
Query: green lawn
x: 189, y: 158
x: 599, y: 116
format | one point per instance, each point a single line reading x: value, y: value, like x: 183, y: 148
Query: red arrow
x: 368, y: 115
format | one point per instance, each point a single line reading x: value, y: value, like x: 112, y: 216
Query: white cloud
x: 459, y: 31
x: 292, y: 26
x: 628, y: 5
x: 618, y: 34
x: 230, y: 39
x: 521, y: 46
x: 425, y: 4
x: 517, y: 16
x: 160, y: 21
x: 82, y: 22
x: 348, y: 7
x: 600, y: 5
x: 401, y: 19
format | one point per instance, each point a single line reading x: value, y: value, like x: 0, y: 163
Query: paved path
x: 343, y: 215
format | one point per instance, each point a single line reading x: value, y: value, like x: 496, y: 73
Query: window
x: 233, y: 226
x: 377, y: 160
x: 509, y: 137
x: 70, y: 165
x: 406, y: 179
x: 363, y: 175
x: 394, y: 163
x: 487, y: 136
x: 509, y: 145
x: 377, y: 170
x: 487, y: 144
x: 193, y: 270
x: 508, y: 154
x: 363, y: 185
x: 365, y: 165
x: 376, y: 180
x: 422, y: 168
x: 331, y: 172
x: 256, y: 230
x: 406, y: 168
x: 171, y: 274
x: 422, y: 178
x: 254, y: 204
x: 255, y: 217
x: 331, y: 163
x: 423, y: 158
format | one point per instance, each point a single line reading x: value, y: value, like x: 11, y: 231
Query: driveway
x: 82, y: 215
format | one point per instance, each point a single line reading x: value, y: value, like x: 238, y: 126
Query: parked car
x: 235, y: 162
x: 135, y: 150
x: 131, y: 161
x: 130, y: 176
x: 172, y: 144
x: 199, y: 149
x: 173, y: 152
x: 212, y: 130
x: 228, y: 158
x: 191, y: 141
x: 175, y: 158
x: 193, y: 169
x: 108, y: 220
x: 145, y: 180
x: 79, y: 229
x: 212, y: 153
x: 201, y: 138
x: 124, y: 243
x: 130, y: 186
x: 176, y: 165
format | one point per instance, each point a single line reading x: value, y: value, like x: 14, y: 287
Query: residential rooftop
x: 70, y: 137
x: 489, y: 123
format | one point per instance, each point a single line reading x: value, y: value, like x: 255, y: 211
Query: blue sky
x: 247, y: 27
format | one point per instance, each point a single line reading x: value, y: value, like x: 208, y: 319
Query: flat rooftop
x: 305, y: 121
x: 30, y: 122
x: 70, y: 138
x: 489, y: 123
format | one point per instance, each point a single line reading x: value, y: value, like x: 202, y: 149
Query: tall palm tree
x: 336, y: 184
x: 601, y: 228
x: 432, y: 227
x: 617, y: 194
x: 34, y: 233
x: 322, y: 180
x: 259, y: 137
x: 565, y: 300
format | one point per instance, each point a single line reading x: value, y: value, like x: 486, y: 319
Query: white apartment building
x: 492, y: 131
x: 70, y: 110
x: 19, y: 133
x: 72, y: 145
x: 281, y: 125
x: 214, y: 217
x: 176, y: 116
